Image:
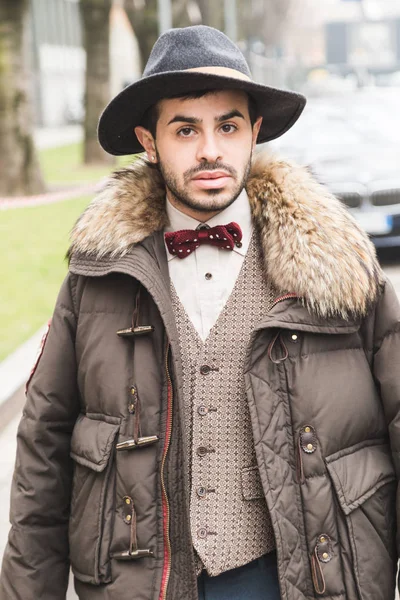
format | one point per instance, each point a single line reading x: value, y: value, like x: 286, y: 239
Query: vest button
x: 201, y: 451
x: 208, y: 276
x: 201, y: 491
x: 202, y: 533
x: 205, y: 369
x: 202, y: 410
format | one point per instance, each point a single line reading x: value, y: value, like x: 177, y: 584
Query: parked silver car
x: 351, y: 142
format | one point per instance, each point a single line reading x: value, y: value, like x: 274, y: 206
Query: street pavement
x: 8, y: 442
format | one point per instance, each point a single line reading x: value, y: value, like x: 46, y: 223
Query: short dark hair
x: 151, y: 116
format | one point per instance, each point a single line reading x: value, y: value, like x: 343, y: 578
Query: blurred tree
x: 19, y: 167
x: 265, y: 20
x: 212, y: 13
x: 257, y: 19
x: 96, y: 33
x: 143, y: 16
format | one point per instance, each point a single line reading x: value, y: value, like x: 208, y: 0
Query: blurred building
x: 346, y: 35
x: 366, y: 38
x: 58, y: 59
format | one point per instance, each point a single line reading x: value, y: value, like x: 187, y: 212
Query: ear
x: 256, y: 130
x: 146, y: 139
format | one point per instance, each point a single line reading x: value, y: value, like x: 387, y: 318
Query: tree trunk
x: 96, y: 27
x: 144, y: 21
x: 143, y: 17
x: 266, y: 19
x: 212, y: 13
x: 19, y: 167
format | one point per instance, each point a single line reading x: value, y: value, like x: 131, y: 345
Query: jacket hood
x: 312, y: 246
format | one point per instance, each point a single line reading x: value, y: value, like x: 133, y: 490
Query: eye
x: 228, y: 127
x: 186, y: 132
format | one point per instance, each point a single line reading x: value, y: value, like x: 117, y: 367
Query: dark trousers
x: 258, y: 580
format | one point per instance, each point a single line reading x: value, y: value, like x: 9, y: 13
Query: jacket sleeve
x: 35, y: 563
x: 386, y: 369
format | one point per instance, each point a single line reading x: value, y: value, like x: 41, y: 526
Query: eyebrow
x: 194, y: 121
x: 230, y: 115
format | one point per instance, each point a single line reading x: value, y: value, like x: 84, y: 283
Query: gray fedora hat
x: 187, y: 60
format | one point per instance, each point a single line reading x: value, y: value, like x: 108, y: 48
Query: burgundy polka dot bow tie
x: 184, y: 242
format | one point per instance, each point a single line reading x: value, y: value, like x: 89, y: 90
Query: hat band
x: 221, y: 71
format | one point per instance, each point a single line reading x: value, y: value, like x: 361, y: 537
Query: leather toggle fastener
x: 138, y: 440
x: 308, y: 439
x: 127, y: 503
x: 307, y: 442
x: 133, y: 554
x: 324, y: 548
x: 129, y: 516
x: 135, y: 331
x: 139, y: 443
x: 322, y: 554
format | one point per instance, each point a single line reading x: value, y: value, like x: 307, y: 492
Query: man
x: 215, y: 413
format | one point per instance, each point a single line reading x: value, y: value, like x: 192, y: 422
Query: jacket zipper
x: 285, y: 297
x: 165, y: 503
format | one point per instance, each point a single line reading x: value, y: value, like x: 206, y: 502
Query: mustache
x: 208, y: 166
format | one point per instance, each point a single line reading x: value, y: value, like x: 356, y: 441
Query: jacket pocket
x: 93, y: 498
x: 251, y: 483
x: 365, y: 484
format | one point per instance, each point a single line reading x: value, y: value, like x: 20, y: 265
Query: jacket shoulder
x: 386, y: 313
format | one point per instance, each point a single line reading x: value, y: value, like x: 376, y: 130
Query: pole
x: 164, y: 15
x: 230, y: 11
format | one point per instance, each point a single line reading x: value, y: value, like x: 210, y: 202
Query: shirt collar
x: 239, y: 212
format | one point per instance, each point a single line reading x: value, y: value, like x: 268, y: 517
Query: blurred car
x: 321, y: 82
x: 351, y: 143
x: 388, y: 79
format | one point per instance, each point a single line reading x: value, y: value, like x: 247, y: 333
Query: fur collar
x: 311, y: 245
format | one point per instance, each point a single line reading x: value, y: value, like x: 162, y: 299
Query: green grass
x: 33, y: 243
x: 63, y: 166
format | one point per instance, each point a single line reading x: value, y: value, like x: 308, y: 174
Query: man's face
x: 204, y: 148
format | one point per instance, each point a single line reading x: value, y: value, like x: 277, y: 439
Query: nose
x: 208, y: 149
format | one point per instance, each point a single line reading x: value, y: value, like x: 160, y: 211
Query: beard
x: 218, y: 199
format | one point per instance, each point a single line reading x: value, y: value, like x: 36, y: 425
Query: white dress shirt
x: 202, y: 296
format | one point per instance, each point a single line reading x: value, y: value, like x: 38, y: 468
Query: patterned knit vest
x: 230, y: 522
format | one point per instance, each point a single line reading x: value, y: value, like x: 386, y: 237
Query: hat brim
x: 280, y: 109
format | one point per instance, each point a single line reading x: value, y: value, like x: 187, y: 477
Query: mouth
x: 211, y: 175
x: 211, y: 179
